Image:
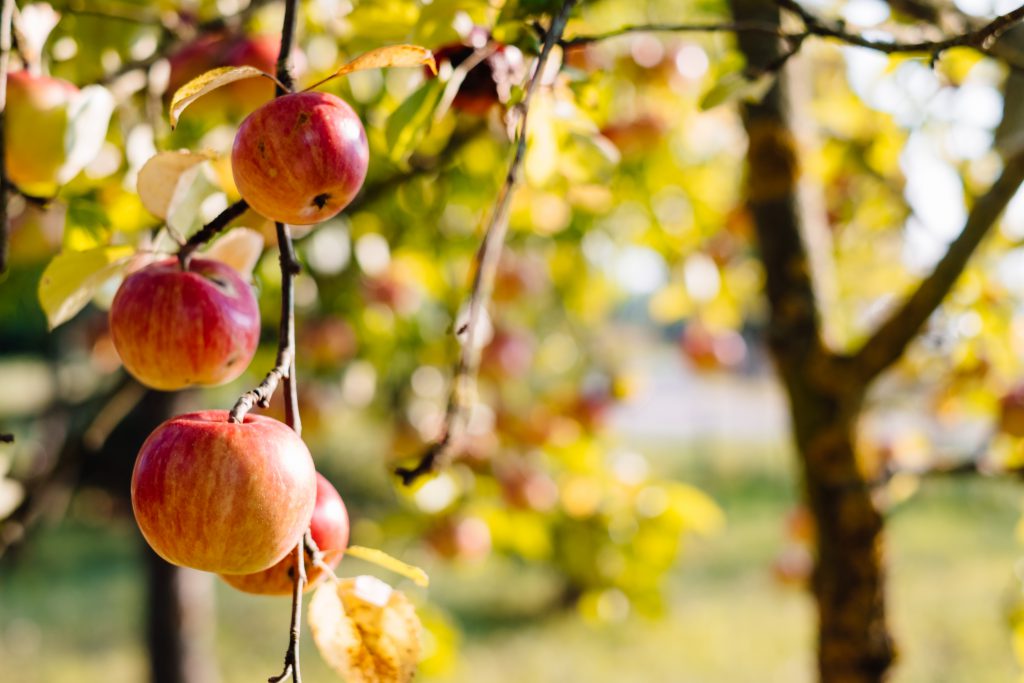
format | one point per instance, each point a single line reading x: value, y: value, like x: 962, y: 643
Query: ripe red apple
x: 329, y: 529
x: 300, y: 158
x: 223, y: 497
x: 174, y: 328
x: 34, y: 127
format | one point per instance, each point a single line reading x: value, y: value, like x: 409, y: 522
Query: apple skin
x: 223, y: 497
x: 301, y: 158
x: 329, y: 528
x: 175, y: 328
x: 34, y: 127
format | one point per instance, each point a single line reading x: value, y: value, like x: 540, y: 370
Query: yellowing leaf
x: 382, y: 559
x: 204, y: 83
x: 382, y: 57
x: 159, y: 178
x: 366, y: 631
x: 72, y: 278
x: 241, y: 249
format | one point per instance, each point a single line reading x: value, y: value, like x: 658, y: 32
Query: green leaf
x: 410, y: 123
x: 735, y: 87
x: 86, y: 225
x: 72, y: 277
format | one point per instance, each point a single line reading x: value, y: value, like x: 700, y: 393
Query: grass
x: 70, y: 609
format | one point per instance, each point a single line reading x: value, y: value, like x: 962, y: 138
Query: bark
x: 179, y: 623
x: 854, y: 645
x: 179, y: 602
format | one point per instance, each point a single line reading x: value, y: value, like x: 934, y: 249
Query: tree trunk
x: 179, y: 623
x: 854, y: 645
x: 848, y: 584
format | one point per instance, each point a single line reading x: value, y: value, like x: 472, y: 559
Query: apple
x: 34, y: 126
x: 488, y: 83
x: 174, y: 328
x: 1011, y: 412
x: 223, y: 497
x: 329, y: 528
x: 300, y: 158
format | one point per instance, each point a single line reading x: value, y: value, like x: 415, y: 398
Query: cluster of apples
x: 211, y: 494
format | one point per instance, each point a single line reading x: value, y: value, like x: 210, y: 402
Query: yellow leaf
x: 382, y: 57
x: 382, y: 559
x: 159, y: 178
x: 366, y: 631
x: 72, y: 277
x: 211, y: 80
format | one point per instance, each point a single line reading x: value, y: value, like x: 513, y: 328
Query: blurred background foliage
x: 624, y: 387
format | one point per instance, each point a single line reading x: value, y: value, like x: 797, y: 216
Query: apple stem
x: 6, y: 17
x: 209, y: 231
x: 463, y: 387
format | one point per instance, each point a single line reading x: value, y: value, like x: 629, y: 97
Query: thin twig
x: 724, y: 27
x: 211, y: 229
x: 981, y: 38
x: 286, y: 351
x: 6, y: 16
x: 463, y: 387
x: 261, y: 395
x: 291, y: 661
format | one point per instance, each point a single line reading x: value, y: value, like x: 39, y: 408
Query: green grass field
x: 70, y: 609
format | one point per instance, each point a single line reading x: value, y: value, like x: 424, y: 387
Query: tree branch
x: 888, y: 342
x: 982, y: 38
x: 463, y: 388
x: 210, y: 230
x: 286, y: 350
x: 6, y: 16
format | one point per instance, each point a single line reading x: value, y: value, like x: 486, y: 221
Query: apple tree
x: 490, y: 168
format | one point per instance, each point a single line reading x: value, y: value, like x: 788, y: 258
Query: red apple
x: 223, y: 497
x: 174, y: 328
x: 34, y: 128
x: 329, y: 529
x: 301, y: 158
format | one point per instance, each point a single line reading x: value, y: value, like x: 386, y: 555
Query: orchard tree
x: 508, y: 117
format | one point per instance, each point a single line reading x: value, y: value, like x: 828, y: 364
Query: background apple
x: 218, y: 49
x: 488, y: 83
x: 223, y: 497
x: 301, y: 158
x: 174, y: 328
x: 329, y: 528
x: 34, y: 127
